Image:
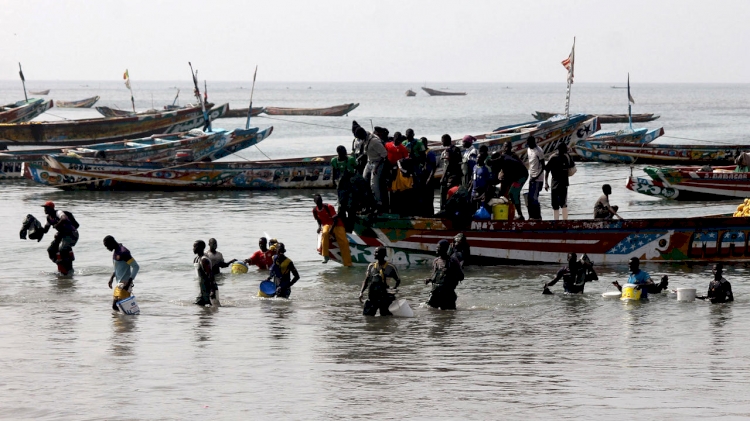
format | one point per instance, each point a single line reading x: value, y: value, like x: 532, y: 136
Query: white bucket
x: 611, y: 294
x: 129, y: 306
x: 686, y: 294
x: 401, y: 308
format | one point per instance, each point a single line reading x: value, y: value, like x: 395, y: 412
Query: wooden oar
x: 252, y: 91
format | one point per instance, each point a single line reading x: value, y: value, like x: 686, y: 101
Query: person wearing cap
x: 376, y: 154
x: 206, y: 278
x: 446, y: 274
x: 125, y: 270
x: 282, y: 271
x: 574, y: 276
x: 559, y: 165
x: 452, y: 175
x: 330, y: 223
x: 376, y: 278
x: 719, y: 290
x: 535, y: 155
x: 217, y: 259
x: 468, y: 159
x: 262, y: 258
x: 60, y: 250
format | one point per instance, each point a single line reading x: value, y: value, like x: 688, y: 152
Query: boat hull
x: 83, y: 103
x: 242, y: 112
x: 435, y: 92
x: 335, y: 111
x: 23, y: 111
x: 692, y: 183
x: 604, y: 118
x: 595, y: 148
x: 615, y: 152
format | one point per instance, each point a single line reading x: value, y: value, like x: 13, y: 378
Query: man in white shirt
x: 536, y: 179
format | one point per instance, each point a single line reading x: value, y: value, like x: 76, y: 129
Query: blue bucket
x: 268, y: 288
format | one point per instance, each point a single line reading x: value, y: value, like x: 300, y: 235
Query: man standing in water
x: 282, y: 271
x: 574, y: 276
x: 217, y: 259
x: 446, y: 274
x: 376, y: 278
x: 262, y: 258
x: 60, y: 250
x: 329, y: 221
x: 126, y: 268
x: 205, y: 273
x: 719, y: 290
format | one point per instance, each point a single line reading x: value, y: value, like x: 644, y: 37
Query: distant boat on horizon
x: 619, y: 87
x: 435, y: 92
x: 409, y: 92
x: 42, y: 92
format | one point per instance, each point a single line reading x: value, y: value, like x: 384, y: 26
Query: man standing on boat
x: 446, y: 274
x: 375, y: 151
x: 60, y: 250
x: 559, y: 165
x: 514, y: 175
x: 125, y: 270
x: 719, y: 290
x: 427, y: 198
x: 217, y: 259
x: 206, y: 278
x: 468, y: 159
x: 452, y: 175
x: 262, y: 258
x: 330, y: 223
x: 536, y: 179
x: 344, y: 169
x: 602, y: 208
x: 376, y: 279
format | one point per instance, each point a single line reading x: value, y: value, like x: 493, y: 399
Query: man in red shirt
x: 262, y: 258
x: 396, y: 150
x: 329, y: 221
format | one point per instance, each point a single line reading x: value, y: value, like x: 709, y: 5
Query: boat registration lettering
x: 728, y: 176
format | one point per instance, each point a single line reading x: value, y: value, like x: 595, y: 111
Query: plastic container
x: 129, y: 306
x: 500, y: 212
x: 267, y: 289
x: 612, y: 294
x: 401, y: 308
x: 629, y: 293
x: 239, y: 267
x: 686, y: 294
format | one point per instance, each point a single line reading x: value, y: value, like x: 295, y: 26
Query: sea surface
x: 508, y: 352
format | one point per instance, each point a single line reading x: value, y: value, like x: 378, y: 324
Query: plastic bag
x: 482, y: 214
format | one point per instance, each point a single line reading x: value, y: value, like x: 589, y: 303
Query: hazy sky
x: 379, y: 41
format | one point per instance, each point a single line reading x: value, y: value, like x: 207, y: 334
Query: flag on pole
x: 126, y: 76
x: 20, y: 72
x: 569, y: 62
x: 630, y: 97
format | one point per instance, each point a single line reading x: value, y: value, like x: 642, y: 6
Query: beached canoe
x: 628, y: 153
x: 604, y: 118
x: 435, y: 92
x: 242, y: 112
x: 692, y: 183
x: 83, y: 103
x: 335, y: 111
x: 102, y: 130
x: 44, y: 92
x: 412, y: 241
x: 21, y: 111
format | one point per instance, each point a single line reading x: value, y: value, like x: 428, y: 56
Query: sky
x: 688, y: 41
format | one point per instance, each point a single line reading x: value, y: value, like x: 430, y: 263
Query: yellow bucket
x: 500, y: 212
x: 238, y: 267
x: 630, y: 293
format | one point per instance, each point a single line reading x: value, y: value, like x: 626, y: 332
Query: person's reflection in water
x: 123, y: 335
x: 205, y: 325
x: 64, y: 285
x: 278, y: 310
x: 719, y: 315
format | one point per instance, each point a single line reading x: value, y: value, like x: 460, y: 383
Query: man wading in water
x: 60, y: 251
x: 376, y: 278
x: 282, y: 271
x: 126, y: 268
x: 217, y: 259
x: 206, y: 277
x: 446, y: 274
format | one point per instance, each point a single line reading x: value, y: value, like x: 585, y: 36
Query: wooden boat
x: 101, y: 130
x: 242, y: 112
x: 44, y: 92
x: 692, y: 183
x: 409, y: 92
x: 622, y: 153
x: 21, y: 111
x: 83, y: 103
x: 412, y: 241
x: 114, y: 112
x: 604, y: 118
x: 435, y: 92
x: 335, y: 111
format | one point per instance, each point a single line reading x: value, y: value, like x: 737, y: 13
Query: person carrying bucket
x: 640, y: 278
x: 719, y: 290
x: 262, y: 258
x: 217, y: 259
x: 125, y: 270
x: 376, y: 279
x: 446, y: 274
x: 282, y: 271
x: 60, y: 251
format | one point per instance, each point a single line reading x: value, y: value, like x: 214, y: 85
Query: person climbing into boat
x: 446, y: 274
x: 60, y: 250
x: 125, y: 270
x: 376, y: 154
x: 513, y: 175
x: 536, y: 179
x: 574, y: 276
x: 451, y: 159
x: 344, y: 169
x: 468, y: 159
x: 282, y: 271
x: 719, y: 290
x: 559, y: 166
x: 602, y: 208
x: 217, y: 259
x: 206, y: 278
x: 460, y: 249
x: 330, y: 223
x: 263, y: 257
x: 376, y: 279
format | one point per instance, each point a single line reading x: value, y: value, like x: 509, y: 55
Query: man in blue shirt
x: 638, y: 277
x: 125, y: 270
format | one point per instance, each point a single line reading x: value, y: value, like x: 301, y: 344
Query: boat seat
x: 134, y: 144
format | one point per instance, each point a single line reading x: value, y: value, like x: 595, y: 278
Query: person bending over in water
x: 282, y: 271
x: 574, y: 276
x: 719, y: 290
x: 126, y: 268
x: 446, y: 274
x: 206, y: 277
x: 60, y: 250
x: 376, y: 278
x: 217, y: 259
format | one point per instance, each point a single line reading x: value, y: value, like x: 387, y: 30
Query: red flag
x: 569, y: 62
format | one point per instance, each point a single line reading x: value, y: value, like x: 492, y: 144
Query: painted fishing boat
x: 617, y: 152
x: 692, y: 183
x: 409, y: 92
x: 43, y: 92
x: 25, y: 110
x: 102, y: 130
x: 242, y: 112
x: 335, y: 111
x: 196, y: 144
x: 114, y: 112
x: 412, y: 241
x: 604, y: 118
x: 435, y: 92
x: 83, y: 103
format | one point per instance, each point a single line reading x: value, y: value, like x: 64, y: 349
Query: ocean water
x: 507, y: 352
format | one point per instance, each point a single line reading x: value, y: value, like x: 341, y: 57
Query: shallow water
x: 507, y: 352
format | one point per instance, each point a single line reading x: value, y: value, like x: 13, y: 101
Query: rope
x: 264, y: 154
x: 703, y: 140
x: 58, y: 116
x: 302, y: 122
